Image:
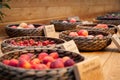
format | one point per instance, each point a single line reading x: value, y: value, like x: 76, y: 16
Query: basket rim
x: 104, y: 37
x: 29, y: 37
x: 18, y: 68
x: 8, y: 26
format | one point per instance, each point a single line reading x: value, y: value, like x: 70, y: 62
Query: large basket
x: 6, y: 47
x: 88, y: 44
x: 13, y: 32
x: 61, y: 26
x: 111, y: 28
x: 15, y: 73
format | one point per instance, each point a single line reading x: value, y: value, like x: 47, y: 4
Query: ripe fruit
x: 82, y: 32
x: 64, y: 21
x: 24, y: 64
x: 13, y: 62
x: 56, y: 64
x: 65, y: 58
x: 100, y: 36
x: 101, y: 26
x: 69, y: 62
x: 42, y: 55
x: 6, y: 62
x: 31, y: 26
x: 48, y: 59
x: 39, y: 66
x: 24, y: 57
x: 73, y: 34
x: 13, y: 26
x: 35, y: 61
x: 72, y: 20
x: 23, y: 25
x: 54, y: 55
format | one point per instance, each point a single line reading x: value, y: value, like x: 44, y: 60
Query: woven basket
x: 14, y: 73
x: 13, y: 32
x: 111, y: 28
x: 60, y: 26
x: 6, y: 47
x: 88, y: 44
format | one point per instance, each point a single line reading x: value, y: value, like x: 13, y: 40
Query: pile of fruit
x: 41, y: 61
x: 84, y: 33
x: 32, y: 42
x: 105, y: 26
x: 25, y: 26
x: 72, y: 20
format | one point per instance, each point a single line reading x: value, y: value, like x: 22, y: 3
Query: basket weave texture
x: 111, y: 28
x: 13, y: 32
x: 6, y: 47
x: 61, y: 26
x: 88, y: 44
x: 14, y: 73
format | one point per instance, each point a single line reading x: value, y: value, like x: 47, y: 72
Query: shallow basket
x: 60, y: 26
x: 15, y: 73
x: 6, y: 47
x: 13, y: 32
x: 88, y: 44
x: 111, y: 28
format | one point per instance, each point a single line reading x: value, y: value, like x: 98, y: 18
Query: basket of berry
x: 61, y: 25
x: 109, y: 28
x: 39, y: 64
x: 24, y: 29
x: 18, y: 43
x: 87, y: 40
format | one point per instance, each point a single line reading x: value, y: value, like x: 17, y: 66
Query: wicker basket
x: 88, y: 44
x: 111, y: 28
x: 6, y: 47
x: 61, y: 26
x: 13, y: 32
x: 15, y: 73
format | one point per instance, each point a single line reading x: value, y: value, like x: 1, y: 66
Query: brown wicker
x: 13, y: 32
x: 112, y: 28
x: 88, y: 44
x: 15, y: 73
x: 6, y: 47
x: 60, y: 26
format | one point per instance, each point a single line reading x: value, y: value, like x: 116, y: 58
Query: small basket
x: 88, y: 44
x: 6, y: 47
x: 112, y: 29
x: 61, y: 26
x: 15, y: 73
x: 13, y: 32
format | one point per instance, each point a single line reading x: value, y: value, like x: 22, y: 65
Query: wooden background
x: 42, y: 11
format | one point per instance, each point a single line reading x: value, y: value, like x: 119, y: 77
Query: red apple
x: 35, y: 61
x: 55, y: 55
x: 13, y: 26
x: 65, y: 58
x: 69, y: 62
x: 48, y: 59
x: 82, y: 32
x: 6, y: 62
x: 24, y: 64
x: 39, y: 67
x: 72, y: 20
x: 13, y: 62
x: 42, y: 55
x: 25, y: 57
x: 56, y: 64
x: 73, y: 34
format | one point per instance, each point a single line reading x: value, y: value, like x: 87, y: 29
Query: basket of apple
x: 103, y: 27
x: 24, y: 29
x: 87, y: 40
x: 61, y: 25
x: 39, y: 64
x: 18, y: 43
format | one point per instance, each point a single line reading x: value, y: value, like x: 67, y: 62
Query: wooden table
x: 110, y: 61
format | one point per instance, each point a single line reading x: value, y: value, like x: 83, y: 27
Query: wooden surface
x: 110, y: 60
